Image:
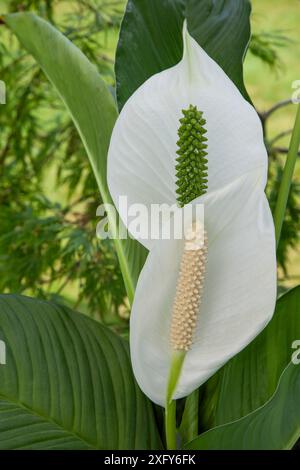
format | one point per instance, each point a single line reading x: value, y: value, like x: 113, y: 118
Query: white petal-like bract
x: 142, y: 153
x: 239, y: 291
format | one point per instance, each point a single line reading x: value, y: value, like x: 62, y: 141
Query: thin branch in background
x: 282, y: 150
x: 280, y: 136
x: 276, y: 107
x: 265, y: 115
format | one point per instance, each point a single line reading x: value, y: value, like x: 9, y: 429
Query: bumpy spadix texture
x: 189, y: 289
x: 239, y: 291
x: 191, y: 168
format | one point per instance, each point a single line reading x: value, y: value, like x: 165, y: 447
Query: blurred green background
x: 277, y: 20
x: 48, y: 196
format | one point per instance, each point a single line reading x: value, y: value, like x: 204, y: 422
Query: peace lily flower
x: 196, y: 305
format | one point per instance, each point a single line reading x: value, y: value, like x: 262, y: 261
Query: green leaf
x: 248, y: 380
x: 190, y: 418
x: 151, y: 38
x: 91, y: 106
x: 67, y: 383
x: 274, y: 426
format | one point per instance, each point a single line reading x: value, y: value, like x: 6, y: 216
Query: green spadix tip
x: 191, y: 168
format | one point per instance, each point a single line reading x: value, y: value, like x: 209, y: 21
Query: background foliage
x: 48, y: 195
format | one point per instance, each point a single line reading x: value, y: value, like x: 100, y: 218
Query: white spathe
x: 141, y: 158
x: 238, y: 298
x: 240, y: 283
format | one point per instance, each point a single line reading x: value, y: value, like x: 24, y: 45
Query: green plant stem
x: 287, y: 178
x: 170, y: 424
x: 170, y: 408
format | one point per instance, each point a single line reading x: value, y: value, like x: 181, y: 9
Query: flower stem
x: 287, y: 178
x: 170, y: 408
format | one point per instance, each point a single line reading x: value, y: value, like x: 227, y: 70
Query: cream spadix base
x: 184, y: 316
x: 189, y: 289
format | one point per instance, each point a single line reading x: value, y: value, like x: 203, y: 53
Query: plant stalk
x: 170, y: 408
x: 286, y: 182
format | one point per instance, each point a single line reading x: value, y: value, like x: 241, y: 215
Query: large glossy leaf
x: 67, y: 383
x: 90, y: 104
x: 248, y: 380
x: 274, y: 426
x: 151, y: 38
